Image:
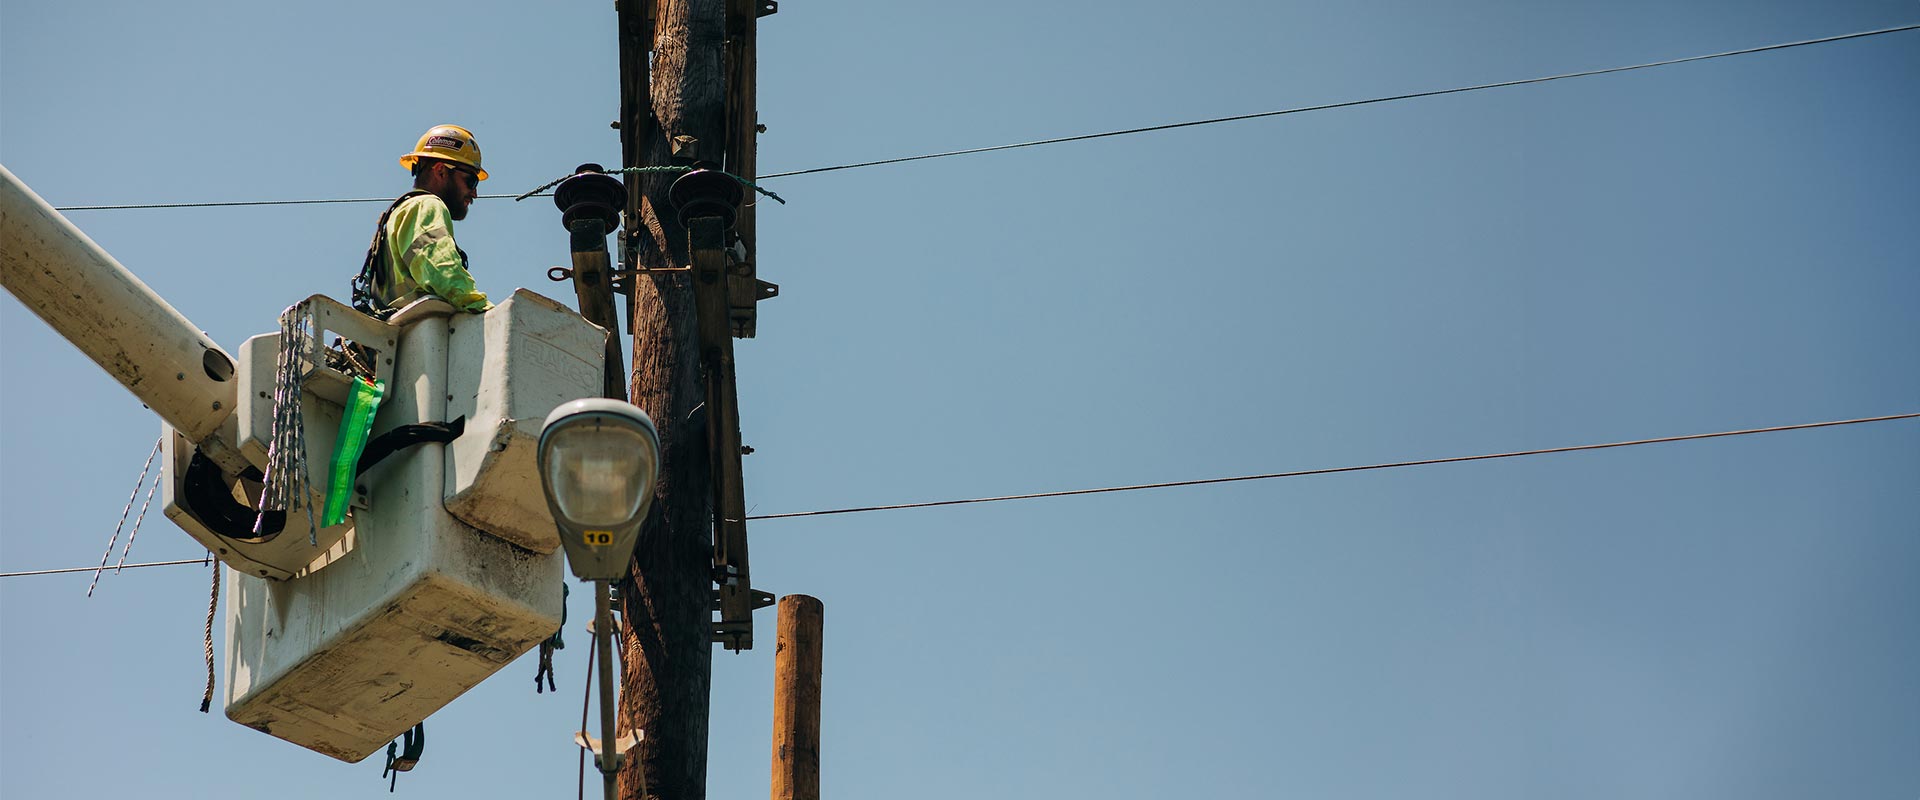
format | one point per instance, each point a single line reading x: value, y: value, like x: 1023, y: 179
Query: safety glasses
x: 467, y: 176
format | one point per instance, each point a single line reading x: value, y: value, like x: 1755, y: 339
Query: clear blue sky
x: 1706, y: 247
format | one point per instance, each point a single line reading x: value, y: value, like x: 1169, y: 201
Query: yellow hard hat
x: 447, y: 142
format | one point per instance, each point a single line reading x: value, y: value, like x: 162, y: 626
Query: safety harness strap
x: 371, y: 272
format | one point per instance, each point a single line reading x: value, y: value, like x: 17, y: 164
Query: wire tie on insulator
x: 648, y: 170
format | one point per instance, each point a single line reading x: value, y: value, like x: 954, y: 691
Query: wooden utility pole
x: 687, y: 100
x: 796, y: 700
x: 675, y: 116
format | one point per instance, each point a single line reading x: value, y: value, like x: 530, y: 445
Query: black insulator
x: 590, y: 194
x: 706, y: 193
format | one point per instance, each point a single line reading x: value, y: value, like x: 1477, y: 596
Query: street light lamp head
x: 598, y: 460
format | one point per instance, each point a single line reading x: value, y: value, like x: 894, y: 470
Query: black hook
x: 403, y: 754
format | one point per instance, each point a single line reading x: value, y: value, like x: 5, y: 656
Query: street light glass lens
x: 599, y: 472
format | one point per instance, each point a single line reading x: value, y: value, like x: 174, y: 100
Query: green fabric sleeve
x: 355, y: 425
x: 420, y: 239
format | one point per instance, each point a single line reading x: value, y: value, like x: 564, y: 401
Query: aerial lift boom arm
x: 92, y: 301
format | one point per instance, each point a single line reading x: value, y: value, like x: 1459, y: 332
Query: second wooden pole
x: 796, y: 700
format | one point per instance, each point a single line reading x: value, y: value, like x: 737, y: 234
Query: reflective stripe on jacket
x: 422, y: 258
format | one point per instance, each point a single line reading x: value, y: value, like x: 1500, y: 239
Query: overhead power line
x: 1107, y: 134
x: 1347, y: 104
x: 201, y: 561
x: 1331, y: 470
x: 234, y: 203
x: 1206, y: 481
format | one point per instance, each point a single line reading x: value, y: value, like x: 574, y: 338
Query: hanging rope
x: 286, y: 484
x: 586, y: 699
x: 213, y: 603
x: 144, y: 468
x: 646, y: 170
x: 144, y: 504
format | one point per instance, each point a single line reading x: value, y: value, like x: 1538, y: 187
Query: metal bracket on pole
x: 608, y: 762
x: 745, y: 289
x: 621, y: 744
x: 707, y: 203
x: 590, y: 209
x: 726, y: 631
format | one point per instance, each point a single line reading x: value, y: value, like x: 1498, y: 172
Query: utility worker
x: 413, y: 254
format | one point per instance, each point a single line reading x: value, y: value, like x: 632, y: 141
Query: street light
x: 598, y: 460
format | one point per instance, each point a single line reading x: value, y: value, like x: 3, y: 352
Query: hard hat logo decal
x: 447, y: 142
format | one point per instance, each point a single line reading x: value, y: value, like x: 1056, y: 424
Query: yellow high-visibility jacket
x: 421, y: 258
